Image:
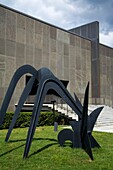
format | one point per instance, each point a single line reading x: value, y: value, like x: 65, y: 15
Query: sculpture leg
x: 34, y: 119
x: 93, y: 142
x: 23, y: 98
x: 76, y: 128
x: 86, y: 145
x: 18, y: 74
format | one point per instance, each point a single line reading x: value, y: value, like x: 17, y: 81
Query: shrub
x: 45, y: 119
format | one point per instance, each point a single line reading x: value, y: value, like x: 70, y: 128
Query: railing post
x: 55, y: 123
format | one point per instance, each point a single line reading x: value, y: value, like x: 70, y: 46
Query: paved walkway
x: 105, y: 120
x: 108, y: 129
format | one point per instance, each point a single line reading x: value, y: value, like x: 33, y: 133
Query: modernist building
x: 75, y: 56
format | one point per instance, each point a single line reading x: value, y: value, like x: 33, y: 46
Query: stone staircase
x: 60, y: 108
x: 64, y: 109
x: 105, y: 118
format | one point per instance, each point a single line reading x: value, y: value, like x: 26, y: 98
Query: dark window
x: 35, y: 86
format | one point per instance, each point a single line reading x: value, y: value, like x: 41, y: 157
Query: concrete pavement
x: 105, y: 120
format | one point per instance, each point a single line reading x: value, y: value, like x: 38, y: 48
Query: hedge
x: 45, y: 119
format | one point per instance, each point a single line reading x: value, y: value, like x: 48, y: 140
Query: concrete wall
x: 26, y: 40
x: 91, y: 31
x: 101, y: 65
x: 106, y: 75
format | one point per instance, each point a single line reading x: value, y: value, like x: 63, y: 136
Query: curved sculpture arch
x: 17, y: 75
x: 52, y: 84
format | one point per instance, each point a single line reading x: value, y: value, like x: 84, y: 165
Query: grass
x: 45, y: 152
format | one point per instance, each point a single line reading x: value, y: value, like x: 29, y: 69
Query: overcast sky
x: 70, y: 13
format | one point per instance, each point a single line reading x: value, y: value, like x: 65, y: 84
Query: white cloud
x: 62, y: 13
x: 52, y: 11
x: 107, y: 39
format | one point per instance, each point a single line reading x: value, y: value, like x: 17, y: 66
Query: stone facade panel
x: 2, y: 30
x: 30, y: 41
x: 10, y: 48
x: 2, y: 46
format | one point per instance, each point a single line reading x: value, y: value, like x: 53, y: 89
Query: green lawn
x: 46, y: 154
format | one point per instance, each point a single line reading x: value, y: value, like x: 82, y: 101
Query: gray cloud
x: 100, y: 10
x: 69, y: 13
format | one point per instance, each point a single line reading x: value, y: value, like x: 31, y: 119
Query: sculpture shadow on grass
x: 48, y: 81
x: 11, y: 150
x: 34, y: 139
x: 42, y: 149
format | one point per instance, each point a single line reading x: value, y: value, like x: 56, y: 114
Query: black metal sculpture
x: 47, y: 81
x: 81, y: 136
